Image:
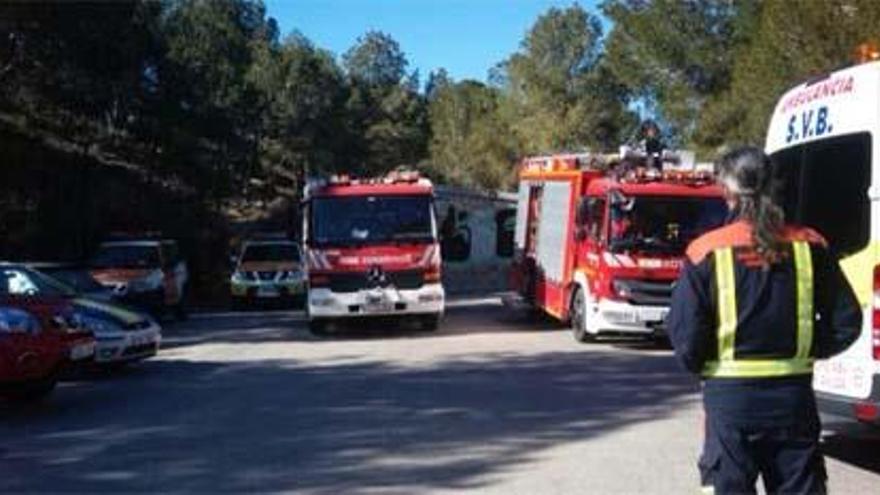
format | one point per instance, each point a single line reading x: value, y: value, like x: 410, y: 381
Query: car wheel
x: 578, y: 320
x: 318, y: 327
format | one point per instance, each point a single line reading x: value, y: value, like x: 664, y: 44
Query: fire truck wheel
x: 578, y: 312
x: 317, y: 327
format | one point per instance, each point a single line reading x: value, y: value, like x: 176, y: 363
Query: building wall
x: 476, y: 256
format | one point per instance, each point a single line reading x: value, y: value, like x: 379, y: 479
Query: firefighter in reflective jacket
x: 757, y: 301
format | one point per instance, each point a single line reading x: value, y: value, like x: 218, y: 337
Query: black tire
x: 577, y: 320
x: 318, y: 327
x: 430, y: 323
x: 35, y: 391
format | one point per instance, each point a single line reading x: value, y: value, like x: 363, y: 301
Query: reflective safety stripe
x: 803, y: 263
x: 727, y: 364
x: 727, y: 316
x: 756, y: 368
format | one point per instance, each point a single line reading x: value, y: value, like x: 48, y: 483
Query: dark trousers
x: 787, y: 458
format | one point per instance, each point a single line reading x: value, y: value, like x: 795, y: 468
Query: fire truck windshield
x: 662, y: 224
x: 348, y: 220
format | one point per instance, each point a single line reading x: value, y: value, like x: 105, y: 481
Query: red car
x: 39, y: 336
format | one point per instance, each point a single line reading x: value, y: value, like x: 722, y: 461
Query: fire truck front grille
x: 409, y: 279
x: 353, y: 282
x: 647, y: 293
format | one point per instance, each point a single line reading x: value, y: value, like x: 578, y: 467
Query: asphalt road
x: 493, y: 403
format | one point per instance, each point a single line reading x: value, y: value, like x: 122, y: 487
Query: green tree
x: 376, y: 60
x: 560, y: 94
x: 208, y: 98
x: 78, y: 69
x: 676, y: 55
x: 386, y: 112
x: 471, y: 145
x: 303, y: 128
x: 789, y: 46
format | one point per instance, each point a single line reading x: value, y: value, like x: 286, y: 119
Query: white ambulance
x: 824, y: 139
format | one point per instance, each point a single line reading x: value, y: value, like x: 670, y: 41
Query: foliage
x: 560, y: 91
x: 788, y: 47
x: 387, y: 114
x: 208, y: 96
x: 471, y: 144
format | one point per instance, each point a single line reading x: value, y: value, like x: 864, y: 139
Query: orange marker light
x: 867, y: 52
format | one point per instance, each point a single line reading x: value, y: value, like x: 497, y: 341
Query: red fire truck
x: 371, y: 250
x: 602, y: 248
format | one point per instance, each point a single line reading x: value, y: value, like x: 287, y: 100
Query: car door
x: 28, y: 352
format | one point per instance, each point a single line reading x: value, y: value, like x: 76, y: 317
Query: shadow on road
x: 481, y: 316
x: 862, y: 451
x: 325, y: 427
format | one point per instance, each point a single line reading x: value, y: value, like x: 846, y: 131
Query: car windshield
x: 371, y: 219
x: 124, y: 256
x: 271, y: 252
x: 662, y: 224
x: 25, y: 282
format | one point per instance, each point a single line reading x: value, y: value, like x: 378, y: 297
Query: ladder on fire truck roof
x: 676, y: 160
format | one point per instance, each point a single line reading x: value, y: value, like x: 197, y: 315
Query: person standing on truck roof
x: 652, y: 144
x: 756, y: 303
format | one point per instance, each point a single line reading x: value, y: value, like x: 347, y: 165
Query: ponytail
x: 746, y: 174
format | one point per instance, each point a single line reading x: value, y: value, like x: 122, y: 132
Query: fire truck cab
x: 372, y: 250
x: 602, y: 250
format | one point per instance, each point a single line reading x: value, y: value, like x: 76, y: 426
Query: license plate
x: 377, y: 303
x: 658, y: 316
x: 82, y: 351
x: 382, y: 307
x: 267, y: 292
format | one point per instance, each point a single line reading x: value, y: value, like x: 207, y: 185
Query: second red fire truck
x: 601, y: 248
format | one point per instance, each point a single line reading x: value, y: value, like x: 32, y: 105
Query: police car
x: 121, y: 335
x: 824, y: 140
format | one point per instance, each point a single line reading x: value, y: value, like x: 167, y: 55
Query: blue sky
x: 466, y: 37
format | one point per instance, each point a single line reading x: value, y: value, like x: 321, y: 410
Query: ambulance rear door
x: 823, y: 142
